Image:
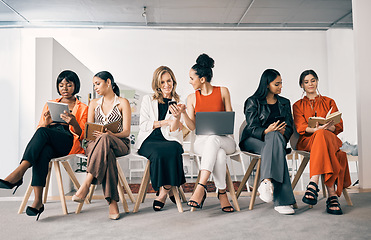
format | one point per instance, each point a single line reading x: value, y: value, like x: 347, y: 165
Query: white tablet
x: 56, y: 109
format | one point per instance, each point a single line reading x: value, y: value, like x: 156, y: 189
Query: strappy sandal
x: 158, y: 205
x: 310, y: 192
x: 333, y: 202
x: 224, y: 209
x: 198, y: 205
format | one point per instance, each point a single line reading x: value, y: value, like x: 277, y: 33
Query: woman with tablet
x: 321, y: 141
x: 102, y: 152
x: 160, y: 135
x: 51, y: 140
x: 269, y: 126
x: 213, y: 148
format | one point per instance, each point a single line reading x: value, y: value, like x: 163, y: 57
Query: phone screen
x: 281, y: 118
x: 171, y: 103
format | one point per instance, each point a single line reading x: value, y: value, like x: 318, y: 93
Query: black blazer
x: 257, y: 112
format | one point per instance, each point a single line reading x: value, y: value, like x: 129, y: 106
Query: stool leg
x: 232, y: 193
x: 143, y: 187
x: 60, y: 187
x: 177, y: 199
x: 182, y: 195
x: 25, y: 198
x: 46, y: 189
x: 347, y: 198
x: 122, y: 197
x: 125, y: 183
x: 68, y: 168
x: 246, y: 176
x: 256, y: 182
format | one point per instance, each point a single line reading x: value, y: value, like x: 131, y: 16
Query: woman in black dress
x: 160, y: 135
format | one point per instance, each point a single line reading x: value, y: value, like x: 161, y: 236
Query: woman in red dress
x: 321, y: 141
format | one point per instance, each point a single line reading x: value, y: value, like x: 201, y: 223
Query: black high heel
x: 7, y: 185
x: 157, y: 205
x: 198, y: 205
x: 172, y: 198
x: 224, y: 209
x: 30, y: 211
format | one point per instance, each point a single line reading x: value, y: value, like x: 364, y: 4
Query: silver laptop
x: 56, y: 109
x: 214, y: 123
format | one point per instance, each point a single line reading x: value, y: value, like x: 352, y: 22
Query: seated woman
x: 213, y: 148
x: 269, y: 128
x: 326, y: 158
x: 102, y: 152
x: 51, y: 140
x: 160, y: 136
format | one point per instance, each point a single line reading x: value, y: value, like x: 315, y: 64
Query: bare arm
x: 226, y: 99
x: 189, y: 115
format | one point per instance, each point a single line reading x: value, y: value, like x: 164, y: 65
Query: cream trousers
x: 214, y: 150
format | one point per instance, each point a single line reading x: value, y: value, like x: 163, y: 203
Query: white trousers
x: 214, y: 150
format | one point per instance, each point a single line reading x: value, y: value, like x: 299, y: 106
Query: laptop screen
x: 214, y: 123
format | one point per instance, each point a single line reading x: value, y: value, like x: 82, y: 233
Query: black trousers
x: 46, y: 143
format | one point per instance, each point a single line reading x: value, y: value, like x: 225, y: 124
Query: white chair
x: 306, y: 156
x: 54, y: 162
x: 235, y: 156
x: 177, y: 192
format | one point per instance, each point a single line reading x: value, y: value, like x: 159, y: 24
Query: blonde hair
x: 156, y: 84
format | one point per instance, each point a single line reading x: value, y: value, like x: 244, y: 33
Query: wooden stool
x: 67, y: 167
x: 122, y: 183
x: 255, y: 161
x: 144, y: 186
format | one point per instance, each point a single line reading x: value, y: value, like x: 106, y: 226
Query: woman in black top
x: 160, y: 136
x: 269, y: 128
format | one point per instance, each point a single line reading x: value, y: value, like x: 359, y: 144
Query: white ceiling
x: 178, y: 14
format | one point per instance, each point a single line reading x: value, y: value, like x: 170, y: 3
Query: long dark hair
x: 268, y: 76
x: 203, y: 67
x: 70, y: 76
x: 104, y: 75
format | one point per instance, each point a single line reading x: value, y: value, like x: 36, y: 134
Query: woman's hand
x: 276, y: 126
x: 97, y: 134
x: 328, y: 126
x: 48, y: 119
x: 69, y: 118
x: 175, y: 111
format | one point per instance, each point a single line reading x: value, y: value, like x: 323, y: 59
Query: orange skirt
x: 326, y: 158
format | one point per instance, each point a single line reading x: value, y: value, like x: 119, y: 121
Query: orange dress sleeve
x: 338, y: 127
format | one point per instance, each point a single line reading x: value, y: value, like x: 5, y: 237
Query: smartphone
x: 281, y: 118
x: 172, y: 103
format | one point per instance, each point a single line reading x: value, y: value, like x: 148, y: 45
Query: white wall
x: 9, y: 98
x: 362, y: 39
x: 240, y: 58
x: 341, y: 79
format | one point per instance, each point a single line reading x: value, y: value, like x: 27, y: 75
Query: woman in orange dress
x: 321, y: 141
